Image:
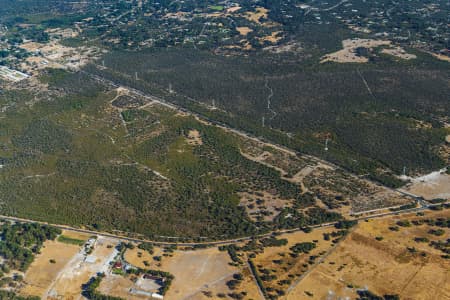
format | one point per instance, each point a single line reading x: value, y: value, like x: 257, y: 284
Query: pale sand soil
x: 260, y: 12
x: 244, y: 30
x: 431, y: 186
x: 441, y: 57
x: 348, y: 53
x: 194, y: 138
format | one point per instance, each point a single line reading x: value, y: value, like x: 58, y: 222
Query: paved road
x: 211, y: 243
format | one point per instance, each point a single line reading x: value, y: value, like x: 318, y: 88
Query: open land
x: 362, y: 261
x: 432, y: 186
x: 80, y: 269
x: 42, y: 273
x: 349, y: 52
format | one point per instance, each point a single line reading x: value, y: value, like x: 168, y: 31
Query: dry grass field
x: 383, y: 265
x: 197, y: 271
x: 285, y: 267
x: 42, y: 273
x: 137, y: 257
x: 119, y: 286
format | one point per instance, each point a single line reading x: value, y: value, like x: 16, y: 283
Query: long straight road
x: 211, y: 243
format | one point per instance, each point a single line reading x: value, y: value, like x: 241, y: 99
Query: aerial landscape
x: 246, y: 149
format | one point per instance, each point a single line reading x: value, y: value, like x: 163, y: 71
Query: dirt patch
x: 273, y: 38
x: 350, y: 54
x: 194, y: 138
x: 120, y: 286
x: 261, y: 205
x: 244, y: 30
x: 432, y: 186
x: 441, y: 57
x: 233, y: 9
x: 76, y: 235
x: 399, y: 52
x: 260, y: 12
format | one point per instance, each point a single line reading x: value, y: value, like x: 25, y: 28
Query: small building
x: 146, y: 294
x: 118, y: 265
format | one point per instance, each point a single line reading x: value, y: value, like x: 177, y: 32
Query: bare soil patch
x: 233, y: 9
x: 441, y: 57
x: 262, y: 204
x: 349, y: 52
x: 260, y: 12
x: 273, y: 38
x: 432, y: 186
x: 244, y: 30
x: 399, y: 52
x: 194, y: 138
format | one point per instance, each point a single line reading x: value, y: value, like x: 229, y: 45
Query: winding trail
x: 269, y: 99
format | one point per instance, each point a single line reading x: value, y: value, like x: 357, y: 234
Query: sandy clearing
x: 349, y: 46
x: 260, y: 12
x: 244, y: 30
x: 347, y: 54
x: 273, y: 38
x: 431, y: 186
x: 76, y: 235
x: 399, y: 52
x: 441, y: 57
x: 119, y: 286
x: 233, y: 9
x: 194, y: 138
